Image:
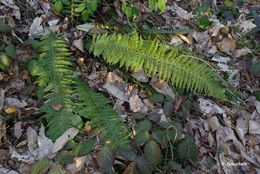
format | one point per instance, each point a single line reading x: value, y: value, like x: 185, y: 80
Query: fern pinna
x: 67, y: 99
x: 181, y: 68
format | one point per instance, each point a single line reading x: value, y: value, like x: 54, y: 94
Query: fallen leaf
x: 112, y: 86
x: 136, y: 104
x: 182, y: 13
x: 140, y: 76
x: 15, y: 102
x: 242, y: 52
x: 209, y: 108
x: 10, y: 110
x: 213, y: 123
x: 18, y: 131
x: 85, y: 27
x: 162, y: 87
x: 79, y: 44
x: 57, y: 107
x: 77, y: 165
x: 36, y: 26
x: 247, y: 26
x: 254, y: 127
x: 242, y: 128
x: 7, y: 171
x: 38, y: 145
x: 227, y: 45
x: 63, y: 139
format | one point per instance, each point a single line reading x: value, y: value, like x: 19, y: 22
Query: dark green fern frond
x: 75, y: 8
x: 181, y: 68
x: 58, y: 87
x: 54, y: 71
x: 106, y: 120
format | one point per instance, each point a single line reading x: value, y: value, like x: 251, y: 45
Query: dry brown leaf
x: 57, y: 107
x: 227, y: 45
x: 11, y: 110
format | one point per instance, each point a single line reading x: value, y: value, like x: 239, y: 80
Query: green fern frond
x: 75, y: 8
x: 181, y: 68
x: 98, y: 109
x: 58, y: 87
x: 54, y: 70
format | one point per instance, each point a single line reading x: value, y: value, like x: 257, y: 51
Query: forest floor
x: 226, y: 135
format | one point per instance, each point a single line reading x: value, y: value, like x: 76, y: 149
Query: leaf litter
x: 227, y: 141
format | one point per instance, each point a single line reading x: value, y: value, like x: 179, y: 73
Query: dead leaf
x: 15, y: 102
x: 257, y: 105
x: 113, y: 82
x: 136, y: 104
x: 254, y: 127
x: 38, y: 145
x: 77, y: 165
x: 85, y: 27
x: 213, y: 123
x: 227, y: 45
x: 7, y: 171
x: 242, y: 52
x: 18, y: 131
x: 78, y: 44
x: 63, y: 139
x: 247, y: 26
x: 242, y: 128
x: 162, y: 87
x: 209, y: 108
x: 140, y: 76
x: 36, y: 27
x: 57, y: 107
x: 11, y: 110
x: 182, y: 13
x: 185, y: 39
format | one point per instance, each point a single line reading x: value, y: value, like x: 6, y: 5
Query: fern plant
x: 98, y: 108
x: 67, y: 99
x: 76, y: 8
x: 54, y: 71
x: 181, y: 68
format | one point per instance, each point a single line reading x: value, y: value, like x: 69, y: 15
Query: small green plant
x: 157, y: 5
x: 202, y: 15
x: 76, y: 8
x: 129, y: 10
